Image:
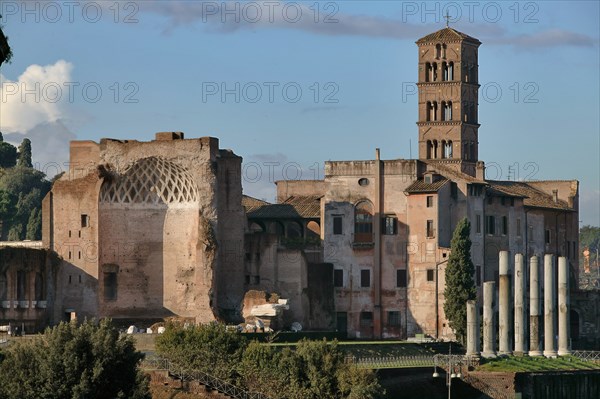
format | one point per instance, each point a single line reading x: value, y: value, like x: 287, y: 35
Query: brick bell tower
x: 448, y: 100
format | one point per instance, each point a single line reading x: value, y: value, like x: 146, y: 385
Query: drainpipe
x: 377, y: 250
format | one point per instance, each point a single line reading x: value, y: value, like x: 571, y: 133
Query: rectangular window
x: 256, y: 280
x: 518, y: 227
x: 85, y: 221
x: 365, y: 278
x: 393, y: 318
x: 478, y: 224
x: 390, y: 225
x: 548, y: 236
x: 512, y: 202
x: 478, y: 275
x: 401, y: 278
x: 504, y: 225
x: 338, y: 278
x: 430, y: 275
x: 429, y: 201
x: 337, y: 224
x: 366, y: 319
x: 110, y: 286
x: 430, y: 230
x: 490, y: 227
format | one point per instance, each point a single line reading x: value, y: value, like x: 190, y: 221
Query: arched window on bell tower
x: 443, y: 113
x: 428, y: 116
x: 443, y: 151
x: 443, y: 51
x: 448, y: 149
x: 434, y: 72
x: 435, y: 149
x: 466, y: 151
x: 448, y: 111
x: 451, y: 71
x: 434, y: 111
x: 429, y: 149
x: 438, y: 51
x: 428, y: 72
x: 444, y: 71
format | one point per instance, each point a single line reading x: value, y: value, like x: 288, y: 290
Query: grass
x: 533, y: 364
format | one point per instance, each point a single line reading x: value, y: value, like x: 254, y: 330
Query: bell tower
x: 448, y: 99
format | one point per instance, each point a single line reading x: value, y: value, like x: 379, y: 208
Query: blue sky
x: 304, y: 82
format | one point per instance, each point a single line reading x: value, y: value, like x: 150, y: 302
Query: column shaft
x: 489, y: 333
x: 472, y: 329
x: 534, y: 307
x: 563, y: 307
x: 504, y: 306
x: 549, y: 308
x: 520, y: 323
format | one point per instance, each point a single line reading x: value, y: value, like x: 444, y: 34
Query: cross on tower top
x: 447, y: 17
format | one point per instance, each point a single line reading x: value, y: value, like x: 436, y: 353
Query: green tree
x: 589, y: 238
x: 34, y: 225
x: 69, y: 361
x: 24, y: 158
x: 460, y: 286
x: 15, y: 233
x: 8, y: 155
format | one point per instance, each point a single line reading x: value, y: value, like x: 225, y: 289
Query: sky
x: 288, y: 85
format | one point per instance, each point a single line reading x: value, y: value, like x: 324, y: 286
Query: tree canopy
x: 460, y: 286
x: 70, y: 361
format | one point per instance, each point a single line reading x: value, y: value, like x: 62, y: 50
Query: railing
x: 458, y: 360
x: 590, y: 356
x: 391, y: 362
x: 205, y: 379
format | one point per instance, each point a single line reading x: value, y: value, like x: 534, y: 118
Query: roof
x: 447, y: 35
x: 533, y: 197
x: 420, y: 186
x: 251, y: 203
x: 295, y: 207
x: 450, y: 173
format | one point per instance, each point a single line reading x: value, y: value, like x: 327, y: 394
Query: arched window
x: 443, y: 111
x: 438, y: 51
x: 434, y: 76
x: 466, y: 151
x: 448, y: 149
x: 313, y: 230
x: 444, y: 71
x: 429, y: 111
x: 427, y: 71
x: 472, y: 151
x: 451, y: 71
x: 363, y: 222
x: 443, y: 149
x: 449, y: 111
x: 434, y: 108
x: 443, y: 51
x: 429, y: 149
x: 256, y: 227
x: 435, y: 149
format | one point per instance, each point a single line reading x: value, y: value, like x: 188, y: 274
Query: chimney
x: 555, y: 196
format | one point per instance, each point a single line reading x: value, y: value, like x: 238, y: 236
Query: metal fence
x: 590, y: 356
x: 205, y: 379
x: 390, y: 362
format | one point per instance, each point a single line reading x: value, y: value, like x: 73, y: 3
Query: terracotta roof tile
x: 251, y: 203
x: 295, y: 207
x: 533, y: 197
x: 420, y: 186
x: 447, y: 35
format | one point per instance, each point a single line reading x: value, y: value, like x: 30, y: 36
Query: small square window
x: 337, y: 224
x: 393, y: 318
x: 366, y: 319
x: 401, y: 278
x: 365, y: 278
x: 338, y: 278
x: 85, y: 220
x: 430, y: 275
x: 429, y: 201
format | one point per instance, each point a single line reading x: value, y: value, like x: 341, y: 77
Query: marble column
x: 563, y: 308
x: 472, y: 329
x: 520, y: 321
x: 534, y: 307
x: 549, y: 308
x: 489, y: 333
x: 504, y: 306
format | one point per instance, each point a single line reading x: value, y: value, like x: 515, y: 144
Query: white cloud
x: 39, y: 95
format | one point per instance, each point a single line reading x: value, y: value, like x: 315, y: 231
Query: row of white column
x: 505, y: 307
